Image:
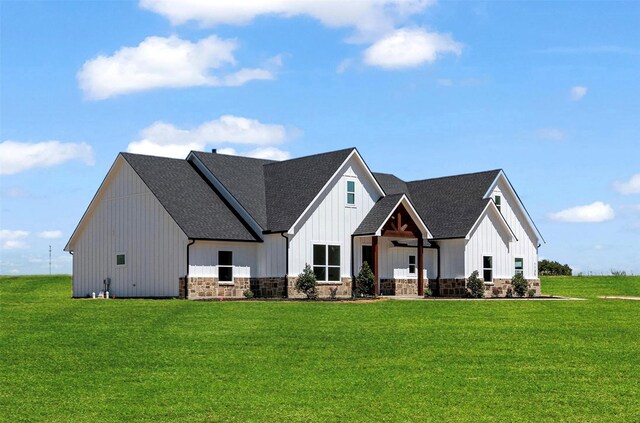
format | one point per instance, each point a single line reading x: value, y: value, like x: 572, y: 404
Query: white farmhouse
x: 216, y: 225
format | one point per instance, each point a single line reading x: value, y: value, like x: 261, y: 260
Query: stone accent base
x: 203, y: 288
x: 500, y: 287
x: 269, y: 287
x: 400, y: 286
x: 343, y: 289
x: 453, y: 287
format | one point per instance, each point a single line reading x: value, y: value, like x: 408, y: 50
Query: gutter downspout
x: 286, y: 269
x: 186, y: 277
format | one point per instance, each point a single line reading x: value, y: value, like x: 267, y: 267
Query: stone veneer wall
x: 202, y: 288
x: 344, y: 289
x: 269, y: 287
x: 453, y: 287
x: 400, y: 286
x: 500, y: 286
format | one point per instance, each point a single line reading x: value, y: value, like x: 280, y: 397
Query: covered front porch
x: 392, y: 239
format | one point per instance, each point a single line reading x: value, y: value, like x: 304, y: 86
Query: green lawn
x: 162, y: 360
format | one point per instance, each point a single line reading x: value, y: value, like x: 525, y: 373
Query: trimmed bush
x: 307, y: 283
x: 365, y: 281
x: 520, y: 285
x: 247, y: 293
x: 475, y: 285
x: 531, y: 293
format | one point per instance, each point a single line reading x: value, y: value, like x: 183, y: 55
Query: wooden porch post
x: 420, y: 266
x: 374, y: 243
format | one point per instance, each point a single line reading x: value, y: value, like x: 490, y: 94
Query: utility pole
x: 49, y: 259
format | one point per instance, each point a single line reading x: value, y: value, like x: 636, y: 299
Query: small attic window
x: 498, y: 201
x: 351, y: 193
x: 120, y: 260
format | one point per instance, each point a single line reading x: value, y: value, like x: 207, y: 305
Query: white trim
x: 491, y: 205
x: 414, y: 215
x: 514, y: 194
x: 338, y: 172
x: 226, y: 194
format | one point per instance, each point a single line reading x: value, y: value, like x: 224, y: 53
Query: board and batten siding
x: 250, y: 259
x: 487, y: 240
x: 128, y: 219
x: 331, y: 221
x: 452, y: 253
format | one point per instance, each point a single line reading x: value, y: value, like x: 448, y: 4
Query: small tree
x: 307, y: 284
x: 365, y: 281
x: 520, y: 285
x: 475, y: 285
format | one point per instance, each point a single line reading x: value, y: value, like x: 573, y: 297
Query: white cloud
x: 632, y: 186
x: 370, y: 18
x: 578, y: 92
x: 270, y: 153
x: 550, y: 134
x: 12, y: 240
x: 171, y: 62
x: 50, y: 234
x: 164, y: 139
x: 595, y: 212
x: 17, y: 156
x: 406, y: 47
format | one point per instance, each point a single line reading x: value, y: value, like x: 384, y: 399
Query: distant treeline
x: 553, y: 268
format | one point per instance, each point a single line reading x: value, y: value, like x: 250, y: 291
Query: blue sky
x: 547, y: 91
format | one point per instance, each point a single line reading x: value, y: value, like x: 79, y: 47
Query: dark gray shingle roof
x: 194, y: 205
x: 451, y: 205
x: 244, y: 179
x: 291, y: 185
x: 391, y: 184
x: 377, y: 215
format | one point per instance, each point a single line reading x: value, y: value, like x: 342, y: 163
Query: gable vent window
x: 412, y: 265
x: 519, y: 266
x: 120, y: 260
x: 351, y: 193
x: 498, y: 201
x: 487, y: 268
x: 326, y: 262
x: 225, y: 266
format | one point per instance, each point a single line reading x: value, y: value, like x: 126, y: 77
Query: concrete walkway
x: 616, y: 297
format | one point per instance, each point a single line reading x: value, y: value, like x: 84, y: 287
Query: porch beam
x: 420, y: 266
x: 374, y: 244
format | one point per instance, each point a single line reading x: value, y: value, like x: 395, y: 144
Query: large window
x: 498, y: 200
x: 487, y: 268
x: 225, y: 266
x: 326, y: 262
x: 351, y: 193
x: 519, y: 264
x: 412, y: 265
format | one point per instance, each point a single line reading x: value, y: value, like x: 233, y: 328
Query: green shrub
x: 247, y: 293
x: 475, y: 285
x: 307, y: 283
x: 509, y: 293
x: 531, y: 293
x: 520, y: 285
x: 365, y: 281
x: 428, y: 293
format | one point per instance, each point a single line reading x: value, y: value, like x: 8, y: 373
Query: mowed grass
x: 175, y: 360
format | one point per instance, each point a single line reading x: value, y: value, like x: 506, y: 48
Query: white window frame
x: 414, y: 264
x: 484, y: 269
x: 230, y: 266
x: 326, y: 265
x: 515, y: 266
x: 351, y: 181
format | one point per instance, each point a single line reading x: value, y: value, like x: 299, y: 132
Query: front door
x: 367, y: 255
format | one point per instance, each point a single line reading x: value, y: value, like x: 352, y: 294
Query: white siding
x: 250, y: 259
x: 128, y: 219
x: 487, y: 240
x: 452, y: 258
x: 331, y: 221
